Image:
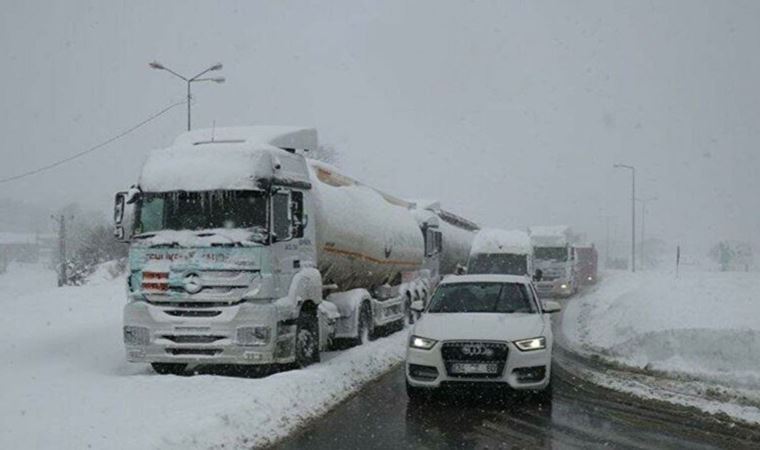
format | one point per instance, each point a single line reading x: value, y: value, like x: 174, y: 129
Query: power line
x: 94, y: 148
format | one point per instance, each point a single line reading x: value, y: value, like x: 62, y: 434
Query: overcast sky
x: 510, y: 113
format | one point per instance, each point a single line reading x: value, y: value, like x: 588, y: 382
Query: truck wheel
x: 169, y: 368
x: 307, y: 340
x: 408, y: 312
x: 365, y: 329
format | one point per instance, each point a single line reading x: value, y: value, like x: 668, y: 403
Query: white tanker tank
x: 364, y: 237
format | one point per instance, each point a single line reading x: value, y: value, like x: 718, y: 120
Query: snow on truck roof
x: 554, y: 230
x: 226, y: 158
x: 492, y: 240
x: 272, y: 135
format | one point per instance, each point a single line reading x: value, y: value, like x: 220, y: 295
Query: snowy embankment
x: 700, y: 330
x: 66, y: 384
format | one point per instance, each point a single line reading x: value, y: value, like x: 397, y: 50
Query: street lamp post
x: 633, y: 212
x: 644, y: 202
x: 158, y: 66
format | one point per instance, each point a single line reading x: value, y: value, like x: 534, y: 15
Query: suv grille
x: 474, y: 352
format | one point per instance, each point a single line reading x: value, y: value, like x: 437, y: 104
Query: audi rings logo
x: 193, y: 283
x: 477, y: 350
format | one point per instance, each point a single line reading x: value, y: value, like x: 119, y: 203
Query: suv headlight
x: 527, y: 345
x: 421, y: 342
x: 253, y: 336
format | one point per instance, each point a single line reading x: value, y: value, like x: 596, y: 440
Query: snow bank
x: 494, y: 240
x: 66, y: 383
x: 704, y: 325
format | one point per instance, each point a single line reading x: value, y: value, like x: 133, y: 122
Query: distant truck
x: 504, y: 252
x: 244, y: 251
x: 555, y: 258
x: 586, y: 264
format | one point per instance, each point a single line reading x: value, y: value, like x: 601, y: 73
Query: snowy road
x: 581, y: 414
x: 66, y: 383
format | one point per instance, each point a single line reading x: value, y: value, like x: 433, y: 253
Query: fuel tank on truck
x: 365, y: 238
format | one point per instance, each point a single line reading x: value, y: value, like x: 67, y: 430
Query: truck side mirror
x: 120, y: 200
x: 418, y: 306
x: 538, y: 275
x: 122, y: 215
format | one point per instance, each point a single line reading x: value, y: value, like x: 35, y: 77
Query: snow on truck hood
x: 479, y: 326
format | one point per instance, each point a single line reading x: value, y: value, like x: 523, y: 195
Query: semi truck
x: 586, y: 264
x: 245, y: 251
x: 506, y: 252
x: 555, y: 257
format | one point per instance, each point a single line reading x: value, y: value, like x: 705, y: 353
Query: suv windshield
x: 482, y: 298
x: 498, y: 263
x: 555, y: 253
x: 202, y: 211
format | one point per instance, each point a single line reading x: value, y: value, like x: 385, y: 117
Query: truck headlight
x: 421, y: 342
x: 136, y: 335
x: 563, y: 286
x: 527, y: 345
x: 253, y: 336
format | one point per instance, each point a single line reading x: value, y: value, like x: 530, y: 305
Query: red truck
x: 586, y: 258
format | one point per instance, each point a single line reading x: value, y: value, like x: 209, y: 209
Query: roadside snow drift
x: 66, y: 384
x: 704, y: 325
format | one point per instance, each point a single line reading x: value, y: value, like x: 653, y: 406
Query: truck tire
x: 409, y: 314
x: 365, y: 330
x: 169, y: 368
x: 307, y: 340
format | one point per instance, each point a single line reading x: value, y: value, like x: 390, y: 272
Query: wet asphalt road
x: 579, y: 414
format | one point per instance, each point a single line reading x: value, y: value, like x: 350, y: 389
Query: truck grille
x: 474, y: 352
x: 194, y: 351
x: 193, y: 339
x: 192, y: 313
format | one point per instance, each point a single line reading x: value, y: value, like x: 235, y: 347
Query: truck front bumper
x: 214, y: 335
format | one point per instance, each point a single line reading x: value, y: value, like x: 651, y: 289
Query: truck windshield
x: 498, y: 263
x: 553, y: 253
x: 202, y: 210
x: 475, y: 297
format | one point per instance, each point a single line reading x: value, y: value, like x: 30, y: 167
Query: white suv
x: 481, y: 328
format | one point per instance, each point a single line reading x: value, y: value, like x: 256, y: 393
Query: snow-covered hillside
x: 703, y: 326
x: 66, y: 383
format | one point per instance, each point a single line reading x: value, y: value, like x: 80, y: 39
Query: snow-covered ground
x: 701, y: 329
x: 66, y: 384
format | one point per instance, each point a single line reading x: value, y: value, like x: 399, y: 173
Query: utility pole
x: 62, y: 276
x: 643, y: 220
x: 633, y: 212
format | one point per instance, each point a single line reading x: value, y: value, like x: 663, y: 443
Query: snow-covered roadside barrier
x: 697, y: 336
x: 66, y: 383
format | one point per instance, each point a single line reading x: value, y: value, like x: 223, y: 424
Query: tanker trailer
x: 243, y: 251
x: 457, y: 234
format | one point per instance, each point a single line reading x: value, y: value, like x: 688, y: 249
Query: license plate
x: 473, y: 368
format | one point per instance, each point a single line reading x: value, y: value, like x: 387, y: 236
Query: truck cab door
x: 288, y: 223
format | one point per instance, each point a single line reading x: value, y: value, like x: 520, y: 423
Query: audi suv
x: 481, y: 329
